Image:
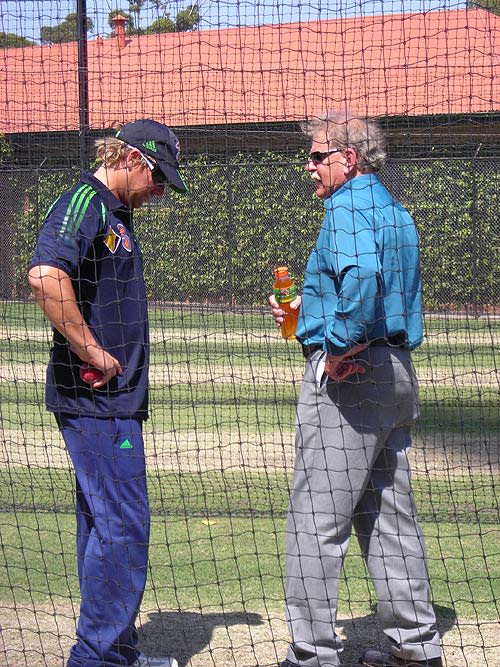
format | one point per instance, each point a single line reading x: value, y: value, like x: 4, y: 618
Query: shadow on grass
x: 186, y: 634
x: 189, y: 634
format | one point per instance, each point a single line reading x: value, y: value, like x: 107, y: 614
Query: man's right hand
x: 54, y: 293
x: 100, y: 359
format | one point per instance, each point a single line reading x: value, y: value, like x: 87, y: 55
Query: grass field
x: 219, y: 447
x: 236, y: 563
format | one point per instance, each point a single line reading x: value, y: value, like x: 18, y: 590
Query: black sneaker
x: 287, y: 663
x: 373, y: 658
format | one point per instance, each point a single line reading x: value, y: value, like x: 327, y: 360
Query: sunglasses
x: 157, y: 175
x: 318, y: 156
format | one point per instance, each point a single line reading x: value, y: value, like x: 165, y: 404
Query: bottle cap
x: 281, y: 270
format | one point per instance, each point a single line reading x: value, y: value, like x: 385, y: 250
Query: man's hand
x: 108, y: 365
x: 100, y: 359
x: 340, y: 367
x: 276, y: 310
x: 54, y: 293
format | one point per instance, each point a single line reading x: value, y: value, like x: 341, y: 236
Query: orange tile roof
x: 440, y: 62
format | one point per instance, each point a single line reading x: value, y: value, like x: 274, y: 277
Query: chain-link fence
x: 220, y: 243
x: 224, y: 387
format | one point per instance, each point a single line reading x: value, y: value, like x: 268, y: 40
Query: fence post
x: 475, y: 240
x: 230, y: 233
x: 83, y: 83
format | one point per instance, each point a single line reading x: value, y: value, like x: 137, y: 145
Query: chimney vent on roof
x: 119, y: 23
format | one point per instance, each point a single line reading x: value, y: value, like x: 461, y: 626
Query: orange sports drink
x: 285, y: 292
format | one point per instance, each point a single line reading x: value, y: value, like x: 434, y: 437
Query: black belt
x: 392, y: 341
x: 307, y: 350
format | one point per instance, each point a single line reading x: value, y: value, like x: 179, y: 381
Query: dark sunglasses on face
x: 319, y: 156
x: 156, y: 173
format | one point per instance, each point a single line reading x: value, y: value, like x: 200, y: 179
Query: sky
x: 24, y: 17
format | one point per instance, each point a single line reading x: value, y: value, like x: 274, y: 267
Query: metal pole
x: 83, y: 83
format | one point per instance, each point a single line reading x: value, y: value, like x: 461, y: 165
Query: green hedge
x: 221, y: 242
x: 455, y: 207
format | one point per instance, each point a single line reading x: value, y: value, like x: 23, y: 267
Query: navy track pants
x: 112, y: 513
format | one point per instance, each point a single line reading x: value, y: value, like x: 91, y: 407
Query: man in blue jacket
x: 360, y: 317
x: 87, y: 276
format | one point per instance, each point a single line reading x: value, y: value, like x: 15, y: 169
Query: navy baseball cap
x: 158, y: 142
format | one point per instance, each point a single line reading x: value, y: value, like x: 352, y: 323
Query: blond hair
x: 111, y: 152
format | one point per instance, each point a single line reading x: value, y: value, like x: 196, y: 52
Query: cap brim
x: 174, y: 179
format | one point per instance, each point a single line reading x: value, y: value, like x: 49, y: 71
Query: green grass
x: 263, y: 408
x: 451, y: 326
x: 239, y: 493
x: 256, y: 351
x: 238, y: 562
x: 467, y: 411
x: 186, y: 316
x: 22, y: 314
x: 253, y: 322
x: 24, y: 351
x: 456, y: 359
x: 197, y: 334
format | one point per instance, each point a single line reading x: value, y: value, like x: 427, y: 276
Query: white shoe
x: 149, y: 661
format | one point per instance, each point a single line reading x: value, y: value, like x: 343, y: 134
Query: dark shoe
x: 372, y: 658
x: 287, y: 663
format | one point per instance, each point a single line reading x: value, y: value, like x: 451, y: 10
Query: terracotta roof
x: 440, y: 62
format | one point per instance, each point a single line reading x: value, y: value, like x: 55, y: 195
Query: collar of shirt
x: 112, y: 203
x: 354, y: 184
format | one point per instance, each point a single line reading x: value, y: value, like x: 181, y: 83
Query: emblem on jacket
x: 126, y: 242
x: 112, y: 240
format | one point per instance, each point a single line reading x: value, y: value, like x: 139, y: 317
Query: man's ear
x: 351, y: 157
x: 132, y: 158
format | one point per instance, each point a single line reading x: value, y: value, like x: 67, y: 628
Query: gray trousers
x: 352, y: 470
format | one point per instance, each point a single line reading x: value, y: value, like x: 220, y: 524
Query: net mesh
x: 233, y: 79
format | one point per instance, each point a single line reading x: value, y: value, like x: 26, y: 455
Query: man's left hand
x: 340, y: 367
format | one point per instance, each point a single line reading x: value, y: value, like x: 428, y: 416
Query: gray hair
x: 344, y: 130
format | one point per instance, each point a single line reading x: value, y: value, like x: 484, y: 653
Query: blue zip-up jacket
x: 362, y: 281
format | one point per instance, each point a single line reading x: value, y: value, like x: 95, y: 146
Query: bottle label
x: 286, y: 294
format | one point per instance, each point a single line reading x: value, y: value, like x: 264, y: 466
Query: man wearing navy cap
x: 87, y: 276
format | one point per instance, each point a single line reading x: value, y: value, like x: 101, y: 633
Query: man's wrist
x: 86, y: 352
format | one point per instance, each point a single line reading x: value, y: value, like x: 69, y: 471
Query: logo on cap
x: 151, y: 145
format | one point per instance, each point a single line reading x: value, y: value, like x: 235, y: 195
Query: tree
x: 5, y: 149
x: 188, y: 19
x: 135, y: 8
x: 492, y: 6
x: 164, y: 24
x: 9, y: 40
x: 67, y: 31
